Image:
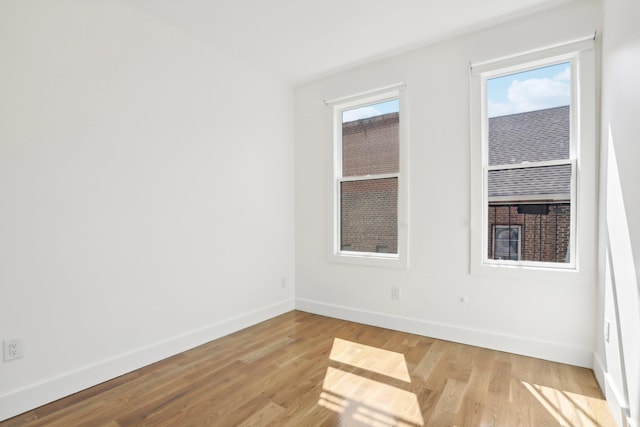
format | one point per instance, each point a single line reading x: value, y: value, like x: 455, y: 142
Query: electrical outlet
x: 283, y: 282
x: 395, y: 293
x: 607, y: 331
x: 12, y: 349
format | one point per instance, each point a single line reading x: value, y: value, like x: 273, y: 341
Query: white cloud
x: 360, y: 113
x: 538, y: 94
x: 565, y: 75
x: 534, y: 94
x: 499, y: 108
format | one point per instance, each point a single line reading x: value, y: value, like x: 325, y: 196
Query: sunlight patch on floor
x: 385, y: 362
x: 364, y: 401
x: 569, y: 409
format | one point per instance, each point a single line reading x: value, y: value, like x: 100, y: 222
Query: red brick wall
x: 370, y: 146
x: 369, y: 207
x: 543, y: 237
x: 369, y: 214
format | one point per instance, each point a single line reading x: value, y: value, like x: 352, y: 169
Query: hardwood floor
x: 301, y: 369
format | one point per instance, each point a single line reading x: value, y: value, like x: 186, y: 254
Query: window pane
x: 544, y: 182
x: 369, y: 215
x: 529, y: 208
x: 506, y: 242
x: 529, y: 115
x: 530, y: 232
x: 370, y: 139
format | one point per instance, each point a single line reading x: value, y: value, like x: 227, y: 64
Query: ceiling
x: 299, y: 40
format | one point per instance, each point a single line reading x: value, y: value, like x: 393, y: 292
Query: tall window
x: 533, y: 162
x: 530, y: 165
x: 367, y: 179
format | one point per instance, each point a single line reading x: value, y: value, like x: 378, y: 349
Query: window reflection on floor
x: 369, y: 386
x: 569, y: 409
x: 362, y: 400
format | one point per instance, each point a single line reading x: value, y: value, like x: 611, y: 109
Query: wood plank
x: 266, y: 415
x: 303, y: 369
x: 448, y: 404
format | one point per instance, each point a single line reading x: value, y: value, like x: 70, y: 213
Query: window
x: 368, y: 185
x: 527, y: 145
x: 506, y: 242
x: 530, y: 161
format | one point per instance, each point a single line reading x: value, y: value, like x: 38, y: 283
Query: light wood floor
x: 300, y: 369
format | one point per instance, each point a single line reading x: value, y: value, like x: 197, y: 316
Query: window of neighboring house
x: 368, y: 186
x: 527, y: 119
x: 506, y: 242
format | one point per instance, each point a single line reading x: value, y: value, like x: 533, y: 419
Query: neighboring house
x: 369, y: 207
x: 529, y: 209
x: 529, y: 212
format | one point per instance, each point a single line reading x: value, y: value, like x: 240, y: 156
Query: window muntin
x: 368, y: 185
x: 529, y: 160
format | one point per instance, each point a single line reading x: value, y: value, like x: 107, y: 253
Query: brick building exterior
x: 541, y: 231
x: 371, y: 146
x: 529, y: 212
x: 369, y: 207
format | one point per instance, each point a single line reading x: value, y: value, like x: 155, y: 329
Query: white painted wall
x: 146, y: 194
x: 618, y: 361
x: 541, y: 314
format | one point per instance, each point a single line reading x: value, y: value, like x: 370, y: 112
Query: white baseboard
x: 617, y: 403
x: 613, y: 394
x: 557, y: 352
x: 604, y: 381
x: 33, y: 396
x: 599, y: 371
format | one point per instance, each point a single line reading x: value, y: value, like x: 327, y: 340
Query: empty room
x: 367, y: 213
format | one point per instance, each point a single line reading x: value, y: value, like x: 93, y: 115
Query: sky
x: 532, y: 90
x: 392, y: 106
x: 537, y: 89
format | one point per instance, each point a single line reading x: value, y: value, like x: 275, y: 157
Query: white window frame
x: 581, y: 157
x: 377, y: 259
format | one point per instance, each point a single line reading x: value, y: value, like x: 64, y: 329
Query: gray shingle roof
x: 530, y: 137
x: 540, y: 181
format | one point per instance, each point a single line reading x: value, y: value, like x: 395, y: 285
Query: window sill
x: 518, y: 270
x: 369, y: 259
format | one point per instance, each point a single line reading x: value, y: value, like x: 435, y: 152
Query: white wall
x: 544, y: 315
x: 146, y: 194
x: 618, y: 361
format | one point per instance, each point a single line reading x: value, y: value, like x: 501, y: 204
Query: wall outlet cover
x: 12, y: 349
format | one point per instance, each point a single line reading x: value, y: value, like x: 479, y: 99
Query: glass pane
x: 542, y: 182
x: 529, y: 115
x: 370, y: 139
x: 507, y: 242
x: 530, y: 232
x: 369, y: 211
